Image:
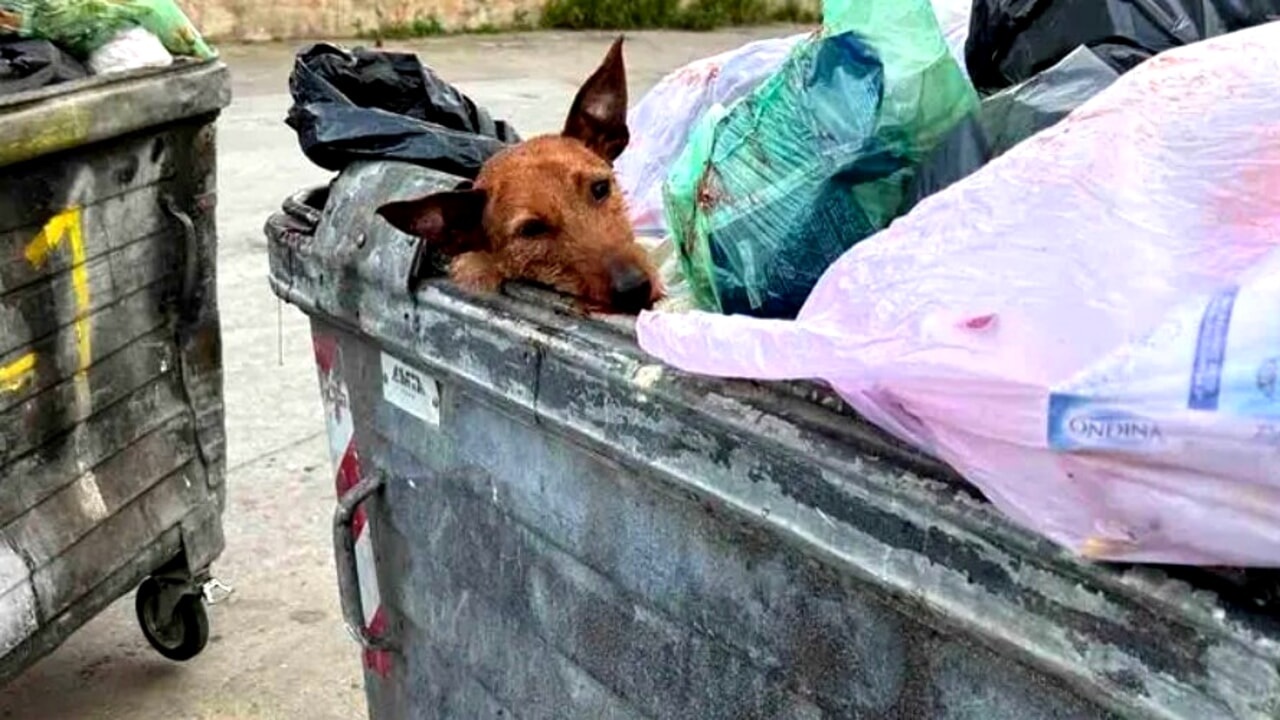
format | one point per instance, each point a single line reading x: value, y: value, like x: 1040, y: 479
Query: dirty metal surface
x: 75, y: 114
x: 575, y: 531
x: 111, y: 426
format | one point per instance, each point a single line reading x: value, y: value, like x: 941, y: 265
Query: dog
x: 547, y: 210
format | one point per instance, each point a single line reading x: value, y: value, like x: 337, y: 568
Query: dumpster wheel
x: 179, y: 634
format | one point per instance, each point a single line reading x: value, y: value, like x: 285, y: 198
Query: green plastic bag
x: 82, y: 26
x: 771, y: 190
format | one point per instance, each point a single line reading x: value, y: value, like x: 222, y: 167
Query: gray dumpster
x: 537, y: 521
x: 111, y: 421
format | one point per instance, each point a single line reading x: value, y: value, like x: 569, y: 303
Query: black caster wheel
x: 181, y: 635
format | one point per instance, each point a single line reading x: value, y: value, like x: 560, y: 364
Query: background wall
x: 285, y: 19
x: 254, y: 20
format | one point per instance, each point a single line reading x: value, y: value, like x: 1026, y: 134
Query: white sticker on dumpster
x: 411, y: 390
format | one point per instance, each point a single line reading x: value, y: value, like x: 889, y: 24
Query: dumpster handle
x: 190, y: 255
x: 344, y: 547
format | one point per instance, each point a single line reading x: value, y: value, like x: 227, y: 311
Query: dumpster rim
x: 29, y: 97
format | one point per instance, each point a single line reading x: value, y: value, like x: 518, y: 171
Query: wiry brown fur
x: 548, y: 210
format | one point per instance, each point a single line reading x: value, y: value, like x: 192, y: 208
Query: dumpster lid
x: 67, y: 115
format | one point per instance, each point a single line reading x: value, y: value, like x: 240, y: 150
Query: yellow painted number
x: 63, y: 227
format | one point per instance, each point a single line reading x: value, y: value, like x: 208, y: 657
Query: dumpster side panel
x: 111, y: 420
x: 555, y: 582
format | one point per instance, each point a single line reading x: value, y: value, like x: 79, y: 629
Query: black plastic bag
x: 1013, y: 115
x: 31, y: 64
x: 961, y: 152
x: 1012, y: 40
x: 373, y: 105
x: 1240, y: 14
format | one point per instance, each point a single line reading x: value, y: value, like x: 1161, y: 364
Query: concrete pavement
x: 278, y: 650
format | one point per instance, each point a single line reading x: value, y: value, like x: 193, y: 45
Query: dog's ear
x: 451, y: 223
x: 598, y: 117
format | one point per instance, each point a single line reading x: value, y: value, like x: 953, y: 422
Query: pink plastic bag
x: 1052, y: 277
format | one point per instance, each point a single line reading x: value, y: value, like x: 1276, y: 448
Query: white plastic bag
x: 677, y: 295
x: 957, y: 326
x: 953, y: 18
x: 130, y: 49
x: 661, y: 121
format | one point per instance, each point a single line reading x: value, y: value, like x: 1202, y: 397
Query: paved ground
x: 278, y: 648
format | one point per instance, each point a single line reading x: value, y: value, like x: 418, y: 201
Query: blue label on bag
x: 1209, y: 373
x: 1078, y: 423
x: 1211, y: 351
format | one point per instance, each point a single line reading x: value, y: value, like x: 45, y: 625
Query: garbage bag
x: 661, y: 121
x: 130, y: 49
x: 82, y: 26
x: 953, y: 19
x: 1207, y: 377
x: 676, y: 295
x: 954, y: 327
x: 770, y: 191
x: 1240, y: 14
x: 1012, y: 40
x: 374, y: 105
x: 31, y: 64
x: 1015, y: 114
x: 961, y: 152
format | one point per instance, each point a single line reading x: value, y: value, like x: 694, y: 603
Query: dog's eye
x: 600, y: 189
x: 532, y: 229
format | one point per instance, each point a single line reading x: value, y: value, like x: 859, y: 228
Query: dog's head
x: 548, y: 210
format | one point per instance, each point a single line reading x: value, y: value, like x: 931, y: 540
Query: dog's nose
x: 631, y: 289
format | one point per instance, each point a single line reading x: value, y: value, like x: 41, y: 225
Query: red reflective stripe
x: 347, y: 476
x: 378, y: 661
x: 348, y: 469
x: 358, y: 520
x: 326, y: 349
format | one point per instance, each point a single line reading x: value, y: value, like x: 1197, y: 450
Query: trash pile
x: 1033, y: 238
x: 870, y: 108
x: 45, y: 42
x: 1046, y: 265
